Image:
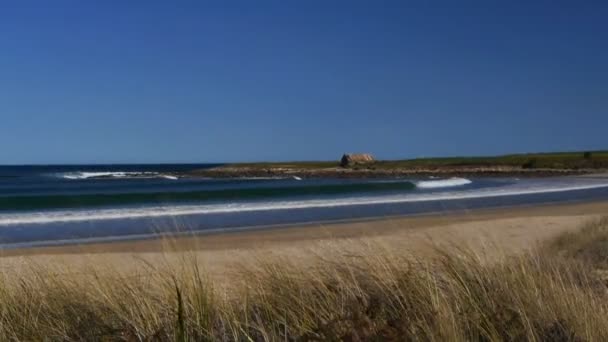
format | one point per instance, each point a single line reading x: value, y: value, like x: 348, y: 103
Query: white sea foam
x: 178, y: 210
x: 442, y: 183
x: 115, y: 174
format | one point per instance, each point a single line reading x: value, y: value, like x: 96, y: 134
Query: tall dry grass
x: 356, y: 291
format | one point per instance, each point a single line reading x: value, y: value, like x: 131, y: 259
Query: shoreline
x: 287, y: 234
x: 131, y: 229
x: 235, y: 172
x: 366, y: 166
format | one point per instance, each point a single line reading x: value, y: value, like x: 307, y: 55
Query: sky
x: 197, y: 81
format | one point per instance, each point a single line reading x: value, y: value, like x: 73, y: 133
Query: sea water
x: 46, y: 205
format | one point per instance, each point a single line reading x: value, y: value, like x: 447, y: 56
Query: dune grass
x: 352, y: 291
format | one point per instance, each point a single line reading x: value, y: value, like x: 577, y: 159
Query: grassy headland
x: 536, y: 164
x: 356, y: 290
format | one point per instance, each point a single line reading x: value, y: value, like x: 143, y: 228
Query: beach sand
x: 491, y: 231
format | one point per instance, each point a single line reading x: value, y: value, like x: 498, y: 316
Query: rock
x: 352, y: 159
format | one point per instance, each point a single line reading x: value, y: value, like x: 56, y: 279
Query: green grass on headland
x: 350, y: 292
x: 557, y: 160
x: 562, y: 160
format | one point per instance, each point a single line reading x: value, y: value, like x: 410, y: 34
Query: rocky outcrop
x: 352, y: 159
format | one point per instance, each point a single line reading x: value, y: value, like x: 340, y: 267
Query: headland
x: 365, y: 166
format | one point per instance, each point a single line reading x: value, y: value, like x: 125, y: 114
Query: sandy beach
x: 503, y: 230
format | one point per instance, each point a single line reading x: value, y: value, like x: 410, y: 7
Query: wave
x: 114, y: 174
x: 79, y: 175
x: 435, y: 183
x: 37, y: 202
x: 179, y: 210
x: 442, y: 183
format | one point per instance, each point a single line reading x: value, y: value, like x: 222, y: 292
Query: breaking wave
x: 442, y: 183
x: 62, y: 201
x: 177, y: 210
x: 115, y: 174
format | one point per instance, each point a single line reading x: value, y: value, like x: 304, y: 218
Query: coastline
x: 498, y: 220
x: 122, y: 225
x: 366, y: 166
x: 279, y: 171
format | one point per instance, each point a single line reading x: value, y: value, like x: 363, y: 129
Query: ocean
x: 50, y: 205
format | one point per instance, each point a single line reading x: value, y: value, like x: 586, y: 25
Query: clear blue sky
x: 145, y: 81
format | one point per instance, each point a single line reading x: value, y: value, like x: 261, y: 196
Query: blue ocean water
x: 45, y: 205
